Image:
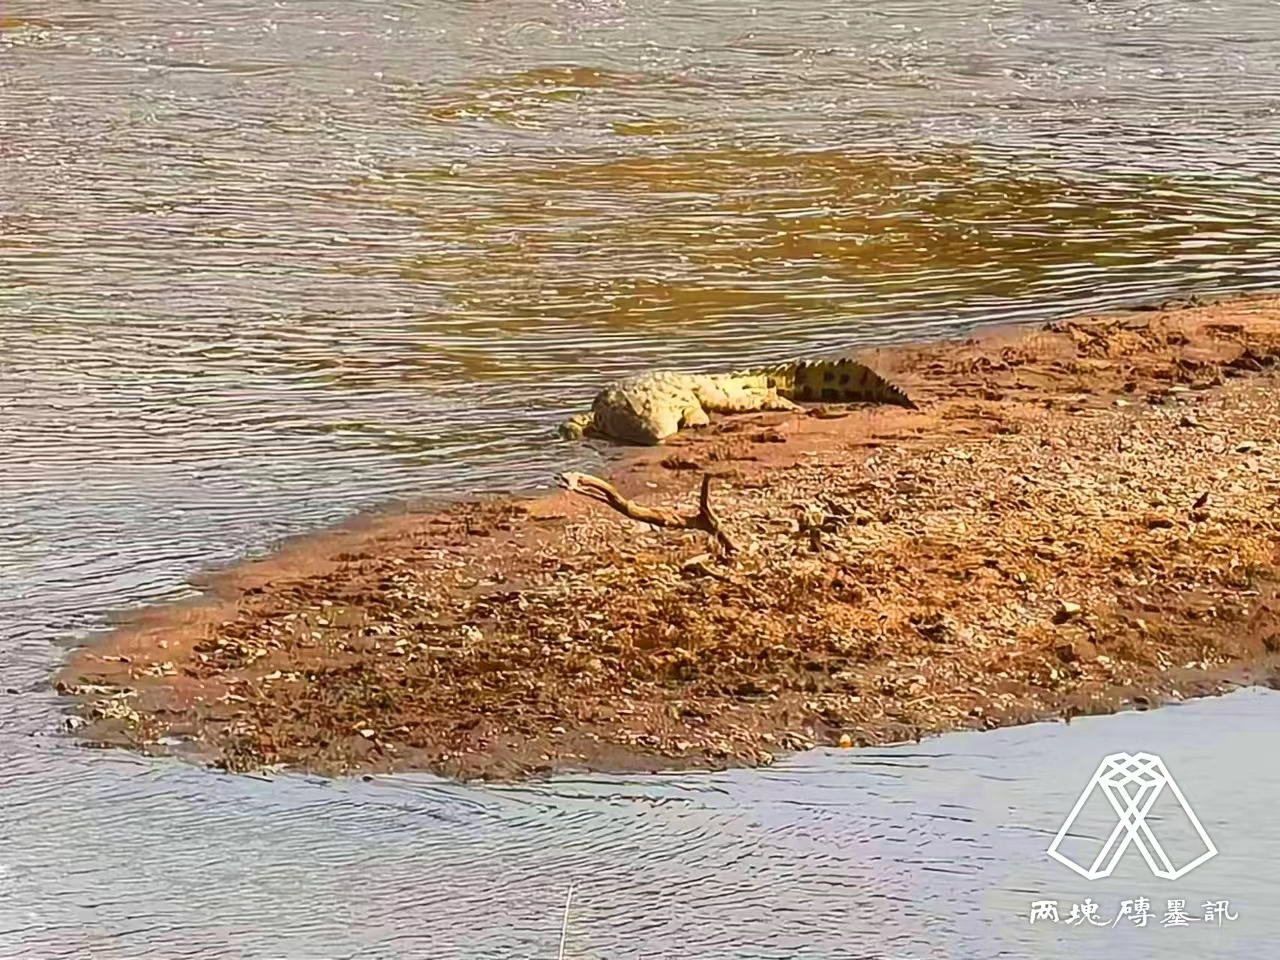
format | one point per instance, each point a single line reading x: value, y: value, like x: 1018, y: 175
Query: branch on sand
x: 705, y: 519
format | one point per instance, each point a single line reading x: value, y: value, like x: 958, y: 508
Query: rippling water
x: 932, y: 851
x: 264, y: 264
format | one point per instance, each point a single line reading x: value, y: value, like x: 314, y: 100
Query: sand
x: 1082, y: 517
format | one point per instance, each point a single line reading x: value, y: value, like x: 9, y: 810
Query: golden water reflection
x: 689, y: 238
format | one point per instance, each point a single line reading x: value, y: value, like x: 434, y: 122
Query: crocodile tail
x: 836, y: 381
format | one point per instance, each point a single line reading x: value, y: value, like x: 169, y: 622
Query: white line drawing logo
x: 1150, y: 777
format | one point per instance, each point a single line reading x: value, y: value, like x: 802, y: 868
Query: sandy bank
x: 1081, y: 517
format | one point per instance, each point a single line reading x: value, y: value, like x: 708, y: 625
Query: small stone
x: 1247, y: 447
x: 1066, y: 610
x: 846, y: 740
x: 1158, y: 521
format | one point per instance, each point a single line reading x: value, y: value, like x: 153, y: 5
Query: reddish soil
x: 1081, y: 517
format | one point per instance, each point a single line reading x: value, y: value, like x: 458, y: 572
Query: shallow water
x: 934, y: 850
x: 263, y: 265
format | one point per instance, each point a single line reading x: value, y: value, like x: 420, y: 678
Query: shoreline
x: 1083, y: 516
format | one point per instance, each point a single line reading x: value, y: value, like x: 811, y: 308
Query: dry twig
x: 705, y: 519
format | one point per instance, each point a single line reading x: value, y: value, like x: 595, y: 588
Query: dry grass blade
x: 564, y: 924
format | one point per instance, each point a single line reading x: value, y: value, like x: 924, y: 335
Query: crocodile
x: 648, y: 408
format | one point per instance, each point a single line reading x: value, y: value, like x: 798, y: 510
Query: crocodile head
x: 576, y: 426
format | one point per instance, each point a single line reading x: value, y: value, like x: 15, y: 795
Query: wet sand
x: 1082, y: 517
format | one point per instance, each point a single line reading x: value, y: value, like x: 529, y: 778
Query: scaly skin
x: 650, y: 407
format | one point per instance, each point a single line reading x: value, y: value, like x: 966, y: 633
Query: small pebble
x: 1066, y: 610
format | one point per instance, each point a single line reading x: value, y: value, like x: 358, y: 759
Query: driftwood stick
x: 705, y: 519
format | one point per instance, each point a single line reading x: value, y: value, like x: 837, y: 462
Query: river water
x: 266, y: 263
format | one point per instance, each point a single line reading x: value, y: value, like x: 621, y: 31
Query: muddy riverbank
x: 1081, y: 517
